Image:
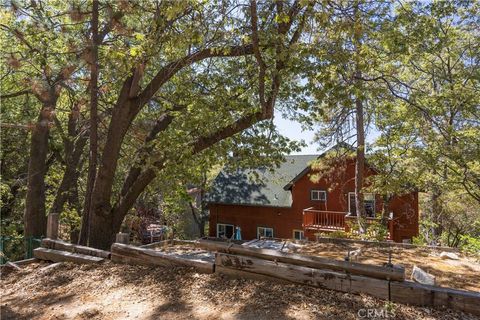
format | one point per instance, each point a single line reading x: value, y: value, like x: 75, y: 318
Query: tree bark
x: 360, y: 124
x: 199, y: 219
x: 436, y: 211
x: 35, y: 218
x: 360, y: 167
x: 73, y: 155
x: 69, y: 179
x: 92, y: 163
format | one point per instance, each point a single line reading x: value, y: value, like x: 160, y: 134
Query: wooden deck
x: 323, y: 220
x: 329, y: 221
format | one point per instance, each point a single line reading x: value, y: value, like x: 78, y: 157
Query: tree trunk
x: 68, y: 186
x: 102, y: 229
x: 202, y: 229
x: 198, y: 219
x: 436, y: 214
x: 359, y: 167
x: 69, y: 180
x: 360, y: 125
x: 35, y: 219
x: 92, y: 163
x: 102, y: 189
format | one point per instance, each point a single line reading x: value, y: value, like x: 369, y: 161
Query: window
x: 224, y: 230
x: 298, y: 235
x: 264, y: 232
x: 318, y: 195
x: 369, y: 202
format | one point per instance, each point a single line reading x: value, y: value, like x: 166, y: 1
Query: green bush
x: 419, y: 241
x: 376, y: 231
x: 470, y: 245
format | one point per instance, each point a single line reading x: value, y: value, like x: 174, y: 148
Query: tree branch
x: 167, y: 72
x: 15, y: 94
x: 258, y: 56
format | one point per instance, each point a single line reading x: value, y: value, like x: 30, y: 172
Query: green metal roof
x: 242, y: 186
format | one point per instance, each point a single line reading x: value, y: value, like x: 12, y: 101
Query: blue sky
x: 293, y: 130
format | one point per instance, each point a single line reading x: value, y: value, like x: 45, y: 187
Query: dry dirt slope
x: 113, y: 291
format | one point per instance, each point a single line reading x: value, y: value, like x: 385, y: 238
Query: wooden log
x: 52, y: 266
x: 424, y: 295
x: 177, y: 241
x: 12, y: 265
x: 52, y: 225
x: 249, y: 242
x: 239, y: 274
x: 60, y: 256
x: 25, y: 261
x: 136, y: 255
x: 156, y: 244
x: 378, y: 272
x: 168, y: 242
x: 223, y: 240
x: 74, y: 248
x: 122, y: 238
x: 304, y: 275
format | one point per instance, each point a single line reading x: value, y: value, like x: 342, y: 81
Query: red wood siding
x: 285, y: 220
x: 248, y: 218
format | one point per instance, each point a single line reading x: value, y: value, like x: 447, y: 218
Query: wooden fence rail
x: 135, y: 255
x: 231, y: 259
x: 378, y: 272
x: 304, y: 275
x: 405, y: 292
x: 74, y: 248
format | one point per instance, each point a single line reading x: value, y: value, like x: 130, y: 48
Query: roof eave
x: 289, y: 185
x: 250, y: 205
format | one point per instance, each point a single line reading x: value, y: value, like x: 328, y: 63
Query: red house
x: 286, y: 203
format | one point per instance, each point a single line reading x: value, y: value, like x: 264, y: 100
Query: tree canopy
x: 110, y: 99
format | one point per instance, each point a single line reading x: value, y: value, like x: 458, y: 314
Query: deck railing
x: 323, y: 220
x: 335, y: 220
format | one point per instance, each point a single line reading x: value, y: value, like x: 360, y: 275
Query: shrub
x: 470, y: 245
x: 377, y: 231
x: 419, y: 241
x: 334, y: 234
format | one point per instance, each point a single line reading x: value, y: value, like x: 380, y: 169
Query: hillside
x: 112, y: 291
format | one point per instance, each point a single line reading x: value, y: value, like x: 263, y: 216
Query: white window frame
x: 263, y: 235
x: 224, y: 225
x: 302, y: 234
x: 318, y: 195
x: 353, y: 193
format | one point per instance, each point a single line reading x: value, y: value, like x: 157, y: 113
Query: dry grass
x: 112, y: 291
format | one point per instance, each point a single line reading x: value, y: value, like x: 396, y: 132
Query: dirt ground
x: 460, y: 274
x: 112, y: 291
